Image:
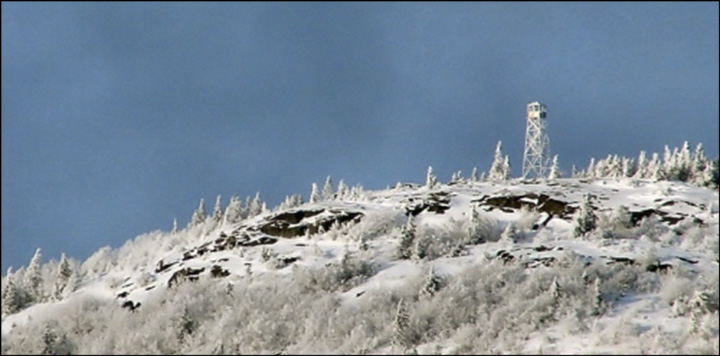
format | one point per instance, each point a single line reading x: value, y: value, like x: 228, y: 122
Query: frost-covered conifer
x: 597, y: 306
x: 198, y: 216
x: 474, y: 175
x: 314, y: 194
x: 233, y: 211
x: 475, y: 232
x: 642, y: 166
x: 256, y: 206
x: 11, y: 302
x: 585, y: 218
x: 430, y: 179
x: 554, y: 169
x: 401, y: 323
x: 407, y: 237
x: 343, y: 190
x: 175, y: 227
x: 63, y: 277
x: 217, y: 210
x: 328, y: 189
x: 497, y: 168
x: 34, y: 277
x: 590, y: 173
x: 433, y: 283
x: 509, y: 234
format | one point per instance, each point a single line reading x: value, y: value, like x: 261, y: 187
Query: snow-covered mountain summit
x: 561, y: 266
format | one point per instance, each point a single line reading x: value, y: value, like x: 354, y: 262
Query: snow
x: 644, y: 311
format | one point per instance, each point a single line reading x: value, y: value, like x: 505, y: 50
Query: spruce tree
x: 433, y: 283
x: 11, y: 302
x: 314, y: 195
x: 233, y: 212
x: 407, y: 238
x: 198, y: 216
x: 554, y: 169
x: 34, y: 277
x: 63, y: 276
x: 401, y: 324
x: 585, y: 218
x: 217, y: 210
x: 474, y: 175
x: 175, y: 226
x: 328, y: 189
x: 430, y: 179
x: 256, y: 206
x: 497, y: 168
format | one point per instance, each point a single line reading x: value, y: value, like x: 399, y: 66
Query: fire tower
x: 536, y: 156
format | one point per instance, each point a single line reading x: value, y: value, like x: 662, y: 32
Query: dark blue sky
x: 117, y: 117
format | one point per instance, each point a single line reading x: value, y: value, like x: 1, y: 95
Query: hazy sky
x: 118, y: 117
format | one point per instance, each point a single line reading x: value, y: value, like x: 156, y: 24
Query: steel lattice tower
x: 536, y: 157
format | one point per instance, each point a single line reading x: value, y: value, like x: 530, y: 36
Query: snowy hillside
x: 561, y: 266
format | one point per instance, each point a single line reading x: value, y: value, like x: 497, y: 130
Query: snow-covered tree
x: 597, y: 307
x: 420, y: 247
x: 642, y: 166
x: 314, y: 194
x: 175, y: 226
x: 342, y: 190
x: 455, y: 178
x: 34, y: 278
x: 430, y: 179
x: 475, y: 230
x: 328, y: 189
x: 585, y: 218
x: 11, y: 298
x: 401, y: 324
x: 474, y: 175
x: 256, y: 206
x: 628, y: 167
x: 497, y: 168
x: 621, y: 217
x: 590, y: 173
x: 217, y: 210
x: 198, y: 216
x: 233, y: 212
x: 433, y: 283
x: 63, y: 277
x: 407, y: 237
x: 506, y: 168
x: 554, y: 169
x: 510, y: 233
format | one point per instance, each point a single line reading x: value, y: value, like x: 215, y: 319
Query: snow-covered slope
x: 515, y: 278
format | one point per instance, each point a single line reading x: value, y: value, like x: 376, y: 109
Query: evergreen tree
x: 475, y: 232
x: 49, y: 340
x: 198, y: 216
x: 233, y: 212
x: 497, y: 168
x: 430, y: 179
x: 401, y: 323
x: 314, y: 195
x: 328, y: 189
x: 642, y: 166
x: 11, y: 300
x: 217, y: 210
x: 506, y: 168
x: 63, y: 277
x: 509, y: 234
x: 655, y: 168
x: 433, y: 283
x: 407, y: 238
x: 34, y: 277
x: 474, y: 175
x: 256, y: 206
x: 555, y: 169
x: 420, y: 247
x: 591, y: 168
x: 585, y: 218
x: 342, y: 190
x: 175, y: 227
x: 597, y: 307
x: 628, y: 166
